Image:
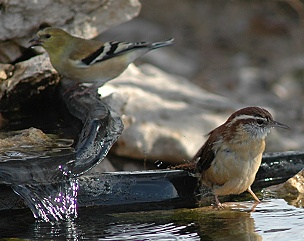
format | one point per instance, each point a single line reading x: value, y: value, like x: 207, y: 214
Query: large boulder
x: 166, y: 117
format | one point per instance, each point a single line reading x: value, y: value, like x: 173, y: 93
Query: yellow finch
x: 90, y: 61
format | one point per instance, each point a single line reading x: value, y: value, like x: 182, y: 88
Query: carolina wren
x: 232, y: 155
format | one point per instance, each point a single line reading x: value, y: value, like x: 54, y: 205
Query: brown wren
x: 232, y: 155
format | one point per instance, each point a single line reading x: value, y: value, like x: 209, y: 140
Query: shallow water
x: 273, y: 219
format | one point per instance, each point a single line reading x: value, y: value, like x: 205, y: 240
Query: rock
x: 9, y: 51
x: 165, y: 116
x: 292, y: 190
x: 294, y: 186
x: 6, y: 71
x: 26, y: 79
x: 19, y: 20
x: 27, y: 137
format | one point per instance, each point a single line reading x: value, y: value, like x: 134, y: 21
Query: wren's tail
x: 157, y: 45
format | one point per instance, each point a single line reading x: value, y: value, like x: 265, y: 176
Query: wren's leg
x: 253, y: 195
x: 217, y: 202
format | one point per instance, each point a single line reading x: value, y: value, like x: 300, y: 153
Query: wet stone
x: 28, y: 137
x: 293, y: 186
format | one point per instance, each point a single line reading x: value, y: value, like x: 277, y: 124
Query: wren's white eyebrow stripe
x: 245, y: 117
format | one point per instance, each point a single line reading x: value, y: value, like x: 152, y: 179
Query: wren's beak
x: 35, y: 41
x: 278, y: 125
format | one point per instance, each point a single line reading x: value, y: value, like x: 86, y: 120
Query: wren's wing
x: 206, y: 153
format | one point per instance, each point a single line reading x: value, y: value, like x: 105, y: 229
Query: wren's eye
x: 47, y: 35
x: 260, y: 122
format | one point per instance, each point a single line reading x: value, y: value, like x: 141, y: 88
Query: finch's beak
x: 278, y: 125
x: 35, y: 42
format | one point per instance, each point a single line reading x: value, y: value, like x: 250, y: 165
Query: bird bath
x: 47, y: 177
x: 54, y: 184
x: 50, y: 178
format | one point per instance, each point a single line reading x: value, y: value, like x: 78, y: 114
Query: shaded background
x: 249, y: 51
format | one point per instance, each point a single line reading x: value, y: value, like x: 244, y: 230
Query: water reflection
x: 276, y: 220
x: 63, y: 231
x: 272, y: 220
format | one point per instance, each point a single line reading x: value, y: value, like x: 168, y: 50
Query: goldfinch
x: 90, y: 61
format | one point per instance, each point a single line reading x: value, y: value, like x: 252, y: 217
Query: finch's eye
x: 48, y: 36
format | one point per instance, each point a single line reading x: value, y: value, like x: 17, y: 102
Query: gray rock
x: 19, y: 20
x: 23, y: 80
x: 166, y: 117
x: 32, y: 69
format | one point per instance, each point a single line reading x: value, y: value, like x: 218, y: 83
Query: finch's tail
x: 162, y: 44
